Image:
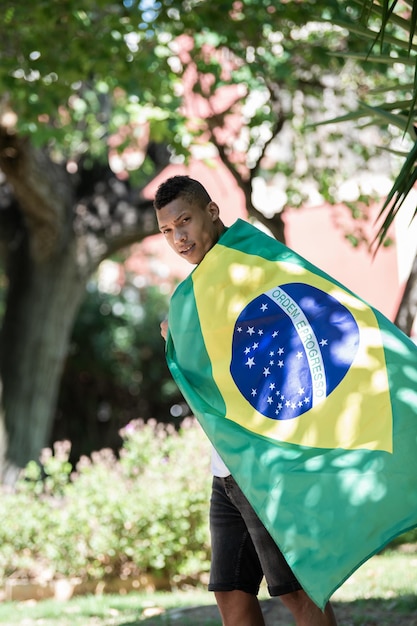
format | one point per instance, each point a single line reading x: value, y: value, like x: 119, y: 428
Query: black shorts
x: 242, y: 549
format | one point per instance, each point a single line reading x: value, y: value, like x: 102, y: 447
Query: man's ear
x: 214, y: 210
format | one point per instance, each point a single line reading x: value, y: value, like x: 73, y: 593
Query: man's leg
x: 305, y: 612
x: 238, y: 608
x: 236, y: 572
x: 281, y: 580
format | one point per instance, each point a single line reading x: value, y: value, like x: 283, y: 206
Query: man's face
x: 190, y: 229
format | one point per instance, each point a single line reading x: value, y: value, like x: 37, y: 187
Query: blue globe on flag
x: 291, y: 347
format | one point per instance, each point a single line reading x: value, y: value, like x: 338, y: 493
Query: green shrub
x: 145, y: 512
x: 408, y: 537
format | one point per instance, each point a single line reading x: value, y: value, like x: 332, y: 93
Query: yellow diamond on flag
x: 305, y: 355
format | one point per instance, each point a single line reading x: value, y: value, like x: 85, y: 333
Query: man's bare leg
x: 305, y: 612
x: 238, y: 608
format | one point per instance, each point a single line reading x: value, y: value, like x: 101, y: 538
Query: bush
x: 143, y: 513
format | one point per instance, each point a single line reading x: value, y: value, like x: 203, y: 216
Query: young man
x: 242, y: 549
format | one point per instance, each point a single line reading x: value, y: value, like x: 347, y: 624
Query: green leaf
x: 398, y: 193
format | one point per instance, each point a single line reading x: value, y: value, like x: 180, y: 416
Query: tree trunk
x: 58, y: 229
x: 42, y: 301
x: 407, y: 311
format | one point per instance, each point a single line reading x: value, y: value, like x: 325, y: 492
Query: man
x: 242, y: 549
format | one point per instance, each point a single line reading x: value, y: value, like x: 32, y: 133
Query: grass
x: 106, y: 610
x: 392, y: 574
x: 386, y: 583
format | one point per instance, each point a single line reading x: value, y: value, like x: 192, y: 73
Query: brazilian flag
x: 308, y: 394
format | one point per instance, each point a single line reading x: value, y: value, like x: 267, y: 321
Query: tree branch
x: 109, y: 216
x: 407, y: 310
x: 43, y: 190
x: 275, y: 224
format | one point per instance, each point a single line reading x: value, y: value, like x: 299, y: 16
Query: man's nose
x: 179, y: 235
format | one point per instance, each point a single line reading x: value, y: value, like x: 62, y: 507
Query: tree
x: 60, y: 107
x: 275, y: 66
x: 387, y: 30
x: 407, y: 310
x: 396, y: 27
x: 82, y: 86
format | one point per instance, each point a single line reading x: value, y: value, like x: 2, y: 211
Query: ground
x: 395, y: 612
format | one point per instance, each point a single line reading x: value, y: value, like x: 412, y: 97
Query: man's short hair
x: 181, y: 187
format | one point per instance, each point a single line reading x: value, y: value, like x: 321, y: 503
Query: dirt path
x: 396, y: 612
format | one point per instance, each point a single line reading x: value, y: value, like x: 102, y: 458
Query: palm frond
x: 394, y: 17
x: 413, y: 26
x: 376, y: 58
x: 396, y: 119
x: 391, y: 87
x: 400, y: 105
x: 366, y: 32
x: 386, y: 12
x: 378, y: 9
x: 398, y: 193
x: 365, y: 110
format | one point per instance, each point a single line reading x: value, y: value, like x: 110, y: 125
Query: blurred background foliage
x: 115, y: 370
x: 142, y: 516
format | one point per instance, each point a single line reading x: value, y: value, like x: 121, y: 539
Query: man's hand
x: 164, y: 329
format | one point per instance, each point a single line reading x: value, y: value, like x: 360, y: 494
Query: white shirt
x: 218, y: 468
